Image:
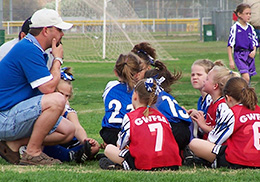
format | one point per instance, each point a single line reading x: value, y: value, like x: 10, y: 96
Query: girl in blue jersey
x: 81, y: 147
x: 168, y: 106
x: 117, y: 96
x: 199, y: 72
x: 243, y: 39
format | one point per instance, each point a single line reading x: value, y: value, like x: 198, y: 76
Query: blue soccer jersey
x: 170, y: 108
x: 118, y: 101
x: 203, y: 104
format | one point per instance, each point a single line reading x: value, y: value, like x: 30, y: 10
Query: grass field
x: 91, y: 79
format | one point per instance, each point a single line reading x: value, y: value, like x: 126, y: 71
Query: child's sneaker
x: 83, y: 154
x: 106, y: 163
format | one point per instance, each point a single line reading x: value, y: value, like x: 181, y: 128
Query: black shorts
x: 181, y: 132
x: 109, y: 135
x: 129, y: 162
x: 221, y: 159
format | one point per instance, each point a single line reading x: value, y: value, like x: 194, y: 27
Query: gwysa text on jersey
x: 251, y: 117
x: 151, y: 118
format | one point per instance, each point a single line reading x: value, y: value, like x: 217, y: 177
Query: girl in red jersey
x: 146, y: 141
x: 219, y: 116
x: 242, y: 149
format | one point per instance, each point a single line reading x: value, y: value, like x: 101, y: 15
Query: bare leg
x: 63, y: 134
x: 52, y: 107
x: 202, y: 149
x: 112, y: 153
x: 246, y: 77
x: 15, y: 145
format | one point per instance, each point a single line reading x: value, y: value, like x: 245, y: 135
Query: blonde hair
x: 147, y: 98
x: 222, y: 75
x: 126, y: 67
x: 205, y: 63
x: 239, y: 89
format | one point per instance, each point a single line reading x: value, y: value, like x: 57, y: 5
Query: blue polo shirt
x: 22, y: 70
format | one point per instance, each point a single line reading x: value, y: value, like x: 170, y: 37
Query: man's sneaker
x: 83, y: 154
x: 9, y: 155
x: 106, y: 163
x: 42, y: 159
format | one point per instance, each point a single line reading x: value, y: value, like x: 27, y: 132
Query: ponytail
x: 238, y: 88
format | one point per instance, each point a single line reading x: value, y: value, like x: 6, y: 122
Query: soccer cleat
x: 83, y: 154
x: 106, y: 163
x: 190, y: 159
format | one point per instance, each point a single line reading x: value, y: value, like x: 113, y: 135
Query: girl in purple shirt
x: 243, y: 39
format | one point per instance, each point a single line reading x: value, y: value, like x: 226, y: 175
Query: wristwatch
x: 59, y: 59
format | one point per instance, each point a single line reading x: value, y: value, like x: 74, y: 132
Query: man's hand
x: 57, y: 51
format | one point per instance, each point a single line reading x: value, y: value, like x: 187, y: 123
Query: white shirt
x: 6, y: 47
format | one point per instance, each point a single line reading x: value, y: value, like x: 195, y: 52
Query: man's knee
x: 55, y: 100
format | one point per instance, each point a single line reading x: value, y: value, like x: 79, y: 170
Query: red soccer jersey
x: 212, y: 114
x: 243, y: 146
x: 152, y: 143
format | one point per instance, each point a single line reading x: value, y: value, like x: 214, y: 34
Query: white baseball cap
x: 47, y: 18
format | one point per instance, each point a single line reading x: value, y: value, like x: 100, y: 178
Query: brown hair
x: 222, y: 75
x: 126, y: 67
x: 144, y: 50
x: 240, y: 8
x: 239, y: 89
x: 146, y: 97
x: 205, y: 63
x: 161, y: 70
x: 35, y: 31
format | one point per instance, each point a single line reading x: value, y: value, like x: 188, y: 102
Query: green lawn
x: 91, y: 79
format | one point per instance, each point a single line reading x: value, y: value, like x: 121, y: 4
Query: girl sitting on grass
x: 146, y: 141
x: 242, y: 149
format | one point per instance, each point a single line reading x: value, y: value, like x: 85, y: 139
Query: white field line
x: 90, y: 110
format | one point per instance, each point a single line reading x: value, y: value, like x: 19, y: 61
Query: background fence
x: 127, y: 22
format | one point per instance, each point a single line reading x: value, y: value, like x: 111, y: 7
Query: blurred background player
x: 243, y: 39
x: 255, y: 15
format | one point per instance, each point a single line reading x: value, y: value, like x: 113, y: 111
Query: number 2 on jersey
x: 118, y: 106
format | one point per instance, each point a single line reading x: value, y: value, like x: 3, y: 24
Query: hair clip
x: 151, y: 60
x: 149, y: 84
x: 65, y: 75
